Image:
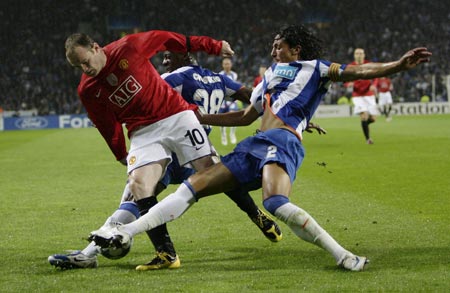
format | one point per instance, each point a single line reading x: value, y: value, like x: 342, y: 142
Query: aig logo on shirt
x: 285, y: 71
x: 125, y: 92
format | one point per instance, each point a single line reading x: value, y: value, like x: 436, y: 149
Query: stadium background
x: 388, y: 201
x: 35, y: 75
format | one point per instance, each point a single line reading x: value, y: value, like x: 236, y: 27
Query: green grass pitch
x: 389, y: 201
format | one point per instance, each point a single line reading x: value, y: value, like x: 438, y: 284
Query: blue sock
x: 131, y: 207
x: 274, y: 202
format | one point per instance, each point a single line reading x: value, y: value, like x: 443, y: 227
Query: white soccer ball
x: 116, y: 253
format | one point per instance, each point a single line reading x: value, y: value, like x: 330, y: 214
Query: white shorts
x: 180, y: 133
x: 385, y: 99
x: 365, y: 104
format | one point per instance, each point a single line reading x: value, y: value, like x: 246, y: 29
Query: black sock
x: 365, y: 127
x: 244, y: 201
x: 388, y: 110
x: 159, y: 236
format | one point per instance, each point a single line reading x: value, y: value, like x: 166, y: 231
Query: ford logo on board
x: 31, y: 123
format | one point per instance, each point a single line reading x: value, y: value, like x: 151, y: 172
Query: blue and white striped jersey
x: 202, y: 87
x: 233, y: 75
x: 294, y: 91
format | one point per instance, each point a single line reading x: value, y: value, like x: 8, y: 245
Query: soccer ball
x: 116, y: 253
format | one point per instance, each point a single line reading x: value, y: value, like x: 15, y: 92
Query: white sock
x: 121, y: 216
x: 91, y: 250
x: 169, y: 209
x: 223, y: 130
x: 305, y: 227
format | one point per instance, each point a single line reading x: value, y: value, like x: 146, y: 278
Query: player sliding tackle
x: 207, y: 90
x: 120, y: 86
x: 287, y: 98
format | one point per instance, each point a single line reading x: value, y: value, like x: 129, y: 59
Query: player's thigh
x: 275, y: 181
x: 202, y: 163
x: 372, y: 105
x: 385, y: 99
x: 187, y: 138
x: 359, y: 105
x: 144, y: 179
x: 147, y: 146
x: 381, y: 99
x: 213, y: 180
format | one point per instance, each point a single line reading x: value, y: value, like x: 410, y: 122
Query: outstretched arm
x: 150, y: 42
x: 240, y: 118
x: 243, y: 95
x: 408, y: 61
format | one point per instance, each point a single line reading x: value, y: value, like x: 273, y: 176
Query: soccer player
x: 228, y: 106
x: 384, y: 88
x: 120, y: 86
x: 206, y: 89
x: 363, y: 97
x: 287, y: 98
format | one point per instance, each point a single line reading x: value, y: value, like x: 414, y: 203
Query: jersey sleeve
x: 376, y: 82
x: 151, y: 42
x: 107, y: 125
x: 231, y: 86
x: 175, y: 80
x: 330, y: 70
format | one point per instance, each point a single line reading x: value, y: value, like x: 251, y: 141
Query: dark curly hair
x: 298, y: 35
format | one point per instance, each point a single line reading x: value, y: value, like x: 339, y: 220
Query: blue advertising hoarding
x: 45, y: 122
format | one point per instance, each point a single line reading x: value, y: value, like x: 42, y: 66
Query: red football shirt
x: 257, y: 80
x: 383, y: 84
x: 361, y: 87
x: 129, y: 90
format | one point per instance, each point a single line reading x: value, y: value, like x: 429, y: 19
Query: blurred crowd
x: 35, y: 75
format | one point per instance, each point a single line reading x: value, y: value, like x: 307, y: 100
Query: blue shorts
x: 175, y: 174
x: 273, y: 146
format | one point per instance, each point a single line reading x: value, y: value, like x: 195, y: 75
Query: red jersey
x: 383, y: 84
x: 257, y: 80
x: 129, y: 90
x: 361, y: 87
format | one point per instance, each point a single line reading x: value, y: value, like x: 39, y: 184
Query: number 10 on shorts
x: 195, y: 136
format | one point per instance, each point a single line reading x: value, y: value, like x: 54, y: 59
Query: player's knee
x: 273, y: 202
x: 203, y: 163
x: 139, y: 188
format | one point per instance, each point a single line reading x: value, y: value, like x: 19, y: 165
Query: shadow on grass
x: 315, y: 259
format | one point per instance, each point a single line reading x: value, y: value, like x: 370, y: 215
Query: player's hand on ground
x: 414, y: 57
x: 317, y: 127
x: 226, y: 50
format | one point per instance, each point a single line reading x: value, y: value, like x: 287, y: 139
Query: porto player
x: 228, y: 106
x: 287, y: 98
